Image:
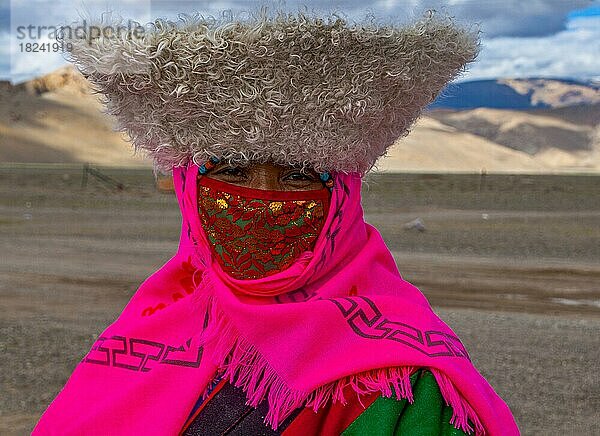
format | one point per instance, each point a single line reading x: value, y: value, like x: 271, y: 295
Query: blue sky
x: 533, y: 38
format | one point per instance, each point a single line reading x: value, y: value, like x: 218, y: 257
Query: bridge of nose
x: 266, y: 177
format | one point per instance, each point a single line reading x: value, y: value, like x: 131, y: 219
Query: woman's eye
x: 231, y: 172
x: 298, y: 176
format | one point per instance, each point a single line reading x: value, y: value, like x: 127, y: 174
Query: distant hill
x: 557, y: 139
x: 517, y: 94
x: 55, y: 118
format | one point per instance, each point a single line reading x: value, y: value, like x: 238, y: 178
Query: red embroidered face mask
x: 256, y: 233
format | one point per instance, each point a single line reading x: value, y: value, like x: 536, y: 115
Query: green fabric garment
x: 428, y: 415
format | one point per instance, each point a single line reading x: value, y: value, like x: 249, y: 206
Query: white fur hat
x: 290, y: 88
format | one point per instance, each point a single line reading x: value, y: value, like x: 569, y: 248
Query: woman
x: 282, y: 311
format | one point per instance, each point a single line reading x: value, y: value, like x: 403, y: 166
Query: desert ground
x: 510, y: 262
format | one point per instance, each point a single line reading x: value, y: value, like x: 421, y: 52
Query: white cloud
x: 530, y: 38
x: 25, y: 64
x: 517, y: 18
x: 4, y: 53
x: 570, y: 53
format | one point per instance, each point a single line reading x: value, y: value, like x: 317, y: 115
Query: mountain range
x: 503, y: 125
x: 533, y: 93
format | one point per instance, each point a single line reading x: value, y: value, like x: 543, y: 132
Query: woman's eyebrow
x: 301, y: 169
x: 228, y: 165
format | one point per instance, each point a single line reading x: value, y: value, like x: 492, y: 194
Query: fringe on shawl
x: 241, y: 364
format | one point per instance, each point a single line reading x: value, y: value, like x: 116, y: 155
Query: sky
x: 533, y: 38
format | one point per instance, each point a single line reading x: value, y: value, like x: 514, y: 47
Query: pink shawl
x: 341, y: 315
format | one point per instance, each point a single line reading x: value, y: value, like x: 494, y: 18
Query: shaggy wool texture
x: 293, y: 89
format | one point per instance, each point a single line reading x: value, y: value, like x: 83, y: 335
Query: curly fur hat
x: 292, y: 89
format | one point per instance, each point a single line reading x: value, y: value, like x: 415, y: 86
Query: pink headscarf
x: 339, y: 315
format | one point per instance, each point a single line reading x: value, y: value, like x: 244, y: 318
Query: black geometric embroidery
x: 336, y: 224
x: 140, y: 354
x: 366, y: 320
x: 345, y: 187
x: 181, y: 362
x: 136, y: 349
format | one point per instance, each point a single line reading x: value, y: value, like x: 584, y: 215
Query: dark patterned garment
x: 225, y: 413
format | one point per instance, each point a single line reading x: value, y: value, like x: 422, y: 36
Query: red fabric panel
x: 332, y: 419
